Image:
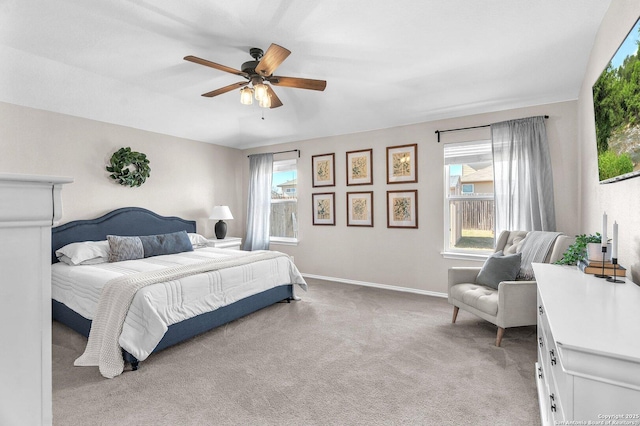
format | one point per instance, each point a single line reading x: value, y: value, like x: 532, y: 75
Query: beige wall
x: 411, y: 258
x: 187, y: 178
x: 621, y: 200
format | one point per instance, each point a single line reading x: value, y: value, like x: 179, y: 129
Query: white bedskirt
x: 157, y: 306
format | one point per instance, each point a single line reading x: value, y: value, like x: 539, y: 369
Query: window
x: 469, y: 208
x: 284, y: 202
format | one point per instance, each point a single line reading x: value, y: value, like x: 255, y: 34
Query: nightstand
x: 232, y: 243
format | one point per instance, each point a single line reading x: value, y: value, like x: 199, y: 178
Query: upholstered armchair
x: 513, y: 303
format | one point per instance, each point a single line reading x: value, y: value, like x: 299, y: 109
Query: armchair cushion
x: 499, y: 267
x: 480, y: 297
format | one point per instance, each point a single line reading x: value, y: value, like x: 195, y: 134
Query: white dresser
x: 29, y: 205
x: 588, y: 347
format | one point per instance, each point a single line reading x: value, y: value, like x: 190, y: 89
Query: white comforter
x: 157, y: 306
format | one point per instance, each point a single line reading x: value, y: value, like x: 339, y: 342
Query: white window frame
x: 459, y: 153
x: 290, y: 241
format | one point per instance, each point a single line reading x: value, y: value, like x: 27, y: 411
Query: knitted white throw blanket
x: 535, y: 248
x: 102, y: 348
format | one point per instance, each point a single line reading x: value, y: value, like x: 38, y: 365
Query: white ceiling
x: 386, y: 63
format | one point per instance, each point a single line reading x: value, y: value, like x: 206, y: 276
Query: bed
x: 245, y: 282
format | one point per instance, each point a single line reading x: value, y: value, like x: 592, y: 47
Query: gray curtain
x: 259, y: 202
x: 523, y: 180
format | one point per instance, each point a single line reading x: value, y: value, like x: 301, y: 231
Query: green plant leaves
x: 129, y: 168
x: 578, y: 250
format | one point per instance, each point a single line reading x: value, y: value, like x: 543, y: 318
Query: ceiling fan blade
x: 275, y: 101
x: 274, y: 56
x: 225, y: 89
x: 224, y: 68
x: 299, y: 83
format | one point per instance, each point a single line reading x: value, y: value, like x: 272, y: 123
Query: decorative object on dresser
x: 588, y: 348
x: 129, y: 168
x: 614, y: 256
x: 221, y: 213
x: 169, y: 300
x: 584, y: 246
x: 511, y: 303
x: 232, y: 243
x: 29, y: 205
x: 596, y: 267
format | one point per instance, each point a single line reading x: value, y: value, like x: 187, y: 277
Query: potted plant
x: 586, y: 246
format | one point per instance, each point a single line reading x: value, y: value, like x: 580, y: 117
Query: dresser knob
x: 552, y: 398
x: 540, y: 309
x: 541, y: 342
x: 539, y: 372
x: 552, y: 354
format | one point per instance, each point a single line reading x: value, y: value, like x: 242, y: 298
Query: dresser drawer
x: 559, y: 384
x: 553, y: 398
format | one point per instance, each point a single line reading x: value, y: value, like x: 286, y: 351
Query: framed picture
x: 402, y: 164
x: 359, y: 167
x: 324, y: 208
x: 360, y: 208
x: 323, y: 167
x: 402, y: 209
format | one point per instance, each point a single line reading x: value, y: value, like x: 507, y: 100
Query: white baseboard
x: 382, y: 286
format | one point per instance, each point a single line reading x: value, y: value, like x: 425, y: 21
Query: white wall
x: 411, y: 258
x: 187, y: 178
x: 621, y: 200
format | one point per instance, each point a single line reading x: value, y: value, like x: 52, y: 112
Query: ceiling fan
x: 257, y: 73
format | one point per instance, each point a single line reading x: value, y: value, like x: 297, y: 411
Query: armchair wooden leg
x: 499, y: 336
x: 455, y: 314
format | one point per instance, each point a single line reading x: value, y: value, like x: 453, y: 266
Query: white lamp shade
x: 221, y: 213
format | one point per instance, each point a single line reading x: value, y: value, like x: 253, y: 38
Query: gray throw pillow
x: 499, y: 268
x: 130, y: 248
x: 175, y: 242
x: 124, y: 248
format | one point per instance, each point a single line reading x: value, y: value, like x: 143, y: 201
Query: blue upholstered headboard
x: 127, y: 221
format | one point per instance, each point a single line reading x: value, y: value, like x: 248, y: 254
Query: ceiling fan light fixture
x: 265, y: 102
x: 260, y: 91
x: 246, y: 96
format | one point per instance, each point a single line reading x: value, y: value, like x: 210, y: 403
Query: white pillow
x: 197, y: 240
x: 84, y: 253
x: 94, y: 261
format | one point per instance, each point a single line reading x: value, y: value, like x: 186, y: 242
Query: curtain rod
x: 465, y: 128
x: 279, y: 152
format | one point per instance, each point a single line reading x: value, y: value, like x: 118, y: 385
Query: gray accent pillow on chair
x: 499, y: 268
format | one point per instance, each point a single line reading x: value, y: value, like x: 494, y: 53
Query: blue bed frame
x: 130, y: 221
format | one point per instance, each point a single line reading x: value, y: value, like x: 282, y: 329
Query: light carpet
x: 343, y: 355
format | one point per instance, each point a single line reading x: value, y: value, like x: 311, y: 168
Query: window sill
x: 465, y: 256
x: 283, y: 241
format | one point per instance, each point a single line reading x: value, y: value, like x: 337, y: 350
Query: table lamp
x: 221, y: 213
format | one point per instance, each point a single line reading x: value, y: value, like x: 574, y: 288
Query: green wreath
x: 123, y: 173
